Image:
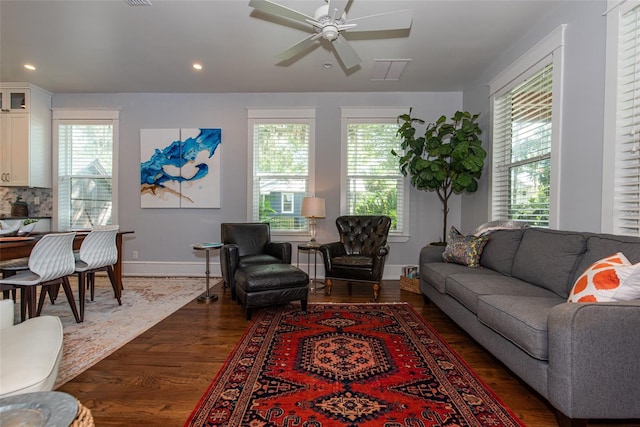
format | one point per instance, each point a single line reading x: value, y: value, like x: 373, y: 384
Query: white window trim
x: 368, y: 113
x: 283, y: 115
x: 61, y: 114
x: 616, y: 9
x: 550, y: 49
x: 282, y: 202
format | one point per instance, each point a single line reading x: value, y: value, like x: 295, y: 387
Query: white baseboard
x: 197, y: 269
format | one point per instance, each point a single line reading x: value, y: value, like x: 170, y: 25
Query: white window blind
x: 85, y: 173
x: 627, y: 157
x: 522, y: 142
x: 374, y: 184
x: 281, y: 150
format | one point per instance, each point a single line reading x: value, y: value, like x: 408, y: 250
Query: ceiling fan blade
x: 347, y: 55
x: 299, y: 47
x: 337, y: 7
x: 279, y: 10
x: 398, y: 20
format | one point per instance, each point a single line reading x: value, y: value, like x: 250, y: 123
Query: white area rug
x: 108, y: 326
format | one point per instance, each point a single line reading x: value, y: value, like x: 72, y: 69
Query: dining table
x: 21, y: 246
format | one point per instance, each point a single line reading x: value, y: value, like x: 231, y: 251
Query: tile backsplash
x: 44, y: 208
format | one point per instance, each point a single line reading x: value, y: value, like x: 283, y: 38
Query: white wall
x: 163, y: 237
x: 583, y: 113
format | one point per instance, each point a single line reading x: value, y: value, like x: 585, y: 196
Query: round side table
x: 309, y: 249
x: 207, y: 296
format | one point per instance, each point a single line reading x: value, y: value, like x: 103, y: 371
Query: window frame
x: 549, y: 50
x: 287, y: 198
x: 382, y: 115
x: 66, y: 116
x: 303, y: 115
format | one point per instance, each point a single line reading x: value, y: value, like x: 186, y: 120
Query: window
x: 621, y: 155
x: 281, y: 155
x: 85, y: 188
x: 287, y: 203
x: 526, y: 134
x: 373, y: 183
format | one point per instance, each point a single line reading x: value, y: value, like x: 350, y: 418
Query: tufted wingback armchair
x: 246, y: 244
x: 360, y: 254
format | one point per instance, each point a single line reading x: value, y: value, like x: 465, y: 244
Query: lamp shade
x: 312, y: 207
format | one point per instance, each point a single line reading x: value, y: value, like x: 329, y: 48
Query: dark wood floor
x: 158, y: 378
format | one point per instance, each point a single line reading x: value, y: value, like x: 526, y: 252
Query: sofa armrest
x: 280, y: 250
x: 431, y: 253
x: 593, y: 359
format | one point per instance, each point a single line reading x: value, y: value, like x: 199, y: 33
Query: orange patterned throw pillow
x: 613, y: 278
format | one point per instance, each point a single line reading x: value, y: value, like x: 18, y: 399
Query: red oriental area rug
x: 346, y: 365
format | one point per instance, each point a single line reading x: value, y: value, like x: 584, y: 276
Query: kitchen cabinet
x: 25, y: 136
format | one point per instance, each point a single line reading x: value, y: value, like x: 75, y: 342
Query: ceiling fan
x: 330, y: 22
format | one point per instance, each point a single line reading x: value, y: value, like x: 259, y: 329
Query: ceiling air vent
x: 388, y: 69
x: 138, y: 2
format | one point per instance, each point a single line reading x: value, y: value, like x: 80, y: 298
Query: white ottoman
x: 30, y: 353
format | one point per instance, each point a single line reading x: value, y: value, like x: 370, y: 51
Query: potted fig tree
x: 447, y: 159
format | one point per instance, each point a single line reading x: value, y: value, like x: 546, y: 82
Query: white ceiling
x: 110, y: 46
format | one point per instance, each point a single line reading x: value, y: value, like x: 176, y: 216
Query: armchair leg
x: 376, y: 291
x: 328, y: 283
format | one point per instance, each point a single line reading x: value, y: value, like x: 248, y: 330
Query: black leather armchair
x: 360, y: 254
x: 245, y: 244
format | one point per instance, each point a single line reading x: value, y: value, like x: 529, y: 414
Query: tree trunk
x: 445, y: 213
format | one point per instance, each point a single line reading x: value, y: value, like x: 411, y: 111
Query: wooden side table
x: 309, y: 249
x: 207, y: 296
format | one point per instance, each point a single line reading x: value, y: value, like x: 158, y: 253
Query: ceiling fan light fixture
x: 330, y: 32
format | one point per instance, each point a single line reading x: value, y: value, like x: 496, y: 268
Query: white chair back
x: 52, y: 256
x: 99, y: 249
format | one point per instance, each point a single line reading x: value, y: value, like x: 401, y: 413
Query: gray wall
x: 583, y: 114
x: 163, y: 237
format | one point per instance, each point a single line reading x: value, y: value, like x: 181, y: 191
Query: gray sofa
x: 584, y: 358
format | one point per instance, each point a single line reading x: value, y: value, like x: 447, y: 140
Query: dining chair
x: 50, y: 262
x: 98, y: 252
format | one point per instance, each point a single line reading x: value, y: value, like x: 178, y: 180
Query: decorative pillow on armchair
x: 613, y: 278
x: 465, y: 250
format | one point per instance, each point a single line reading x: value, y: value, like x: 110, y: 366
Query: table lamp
x: 312, y: 208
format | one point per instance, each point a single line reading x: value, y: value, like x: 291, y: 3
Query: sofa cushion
x: 602, y: 245
x: 521, y: 320
x: 467, y: 288
x: 436, y: 273
x: 500, y: 250
x: 465, y: 250
x: 612, y: 278
x: 548, y: 258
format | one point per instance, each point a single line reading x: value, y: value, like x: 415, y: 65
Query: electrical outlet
x: 36, y: 200
x: 135, y: 254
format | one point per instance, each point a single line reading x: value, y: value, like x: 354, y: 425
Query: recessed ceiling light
x: 30, y: 67
x: 327, y: 65
x: 197, y: 66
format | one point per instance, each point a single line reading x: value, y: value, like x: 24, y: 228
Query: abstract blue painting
x: 180, y: 168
